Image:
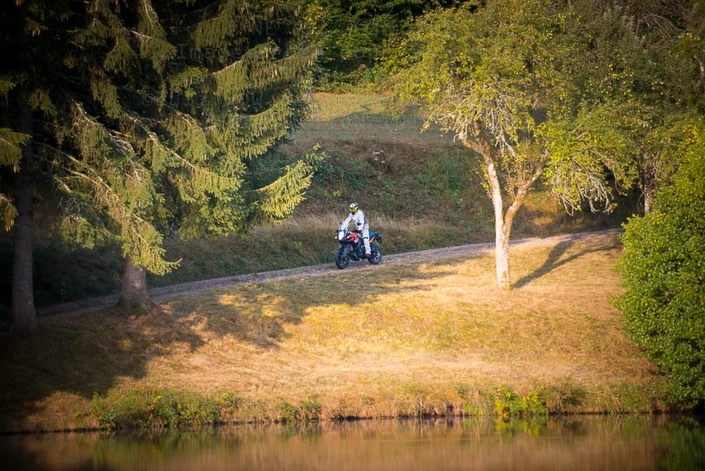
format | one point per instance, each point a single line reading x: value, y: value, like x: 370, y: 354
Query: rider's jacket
x: 358, y: 218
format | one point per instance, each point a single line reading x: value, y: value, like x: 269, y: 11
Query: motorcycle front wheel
x: 341, y: 258
x: 375, y: 254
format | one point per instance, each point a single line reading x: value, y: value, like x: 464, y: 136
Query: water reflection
x: 583, y: 443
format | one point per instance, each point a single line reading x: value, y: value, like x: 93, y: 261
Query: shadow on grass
x: 557, y: 258
x: 92, y: 352
x: 84, y: 355
x: 258, y: 313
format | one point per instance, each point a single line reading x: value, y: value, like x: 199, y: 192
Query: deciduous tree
x: 575, y: 93
x: 638, y: 95
x: 353, y: 34
x: 492, y: 74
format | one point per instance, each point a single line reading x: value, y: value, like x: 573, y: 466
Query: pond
x: 572, y: 443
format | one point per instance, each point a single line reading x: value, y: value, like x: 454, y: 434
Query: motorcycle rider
x: 358, y: 217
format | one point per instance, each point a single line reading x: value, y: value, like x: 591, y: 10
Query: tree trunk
x: 501, y: 229
x: 134, y: 288
x: 503, y: 221
x: 648, y: 200
x: 649, y: 182
x: 24, y: 314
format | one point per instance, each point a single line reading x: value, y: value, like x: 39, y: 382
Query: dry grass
x: 401, y: 338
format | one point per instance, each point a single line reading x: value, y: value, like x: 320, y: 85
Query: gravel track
x: 314, y: 270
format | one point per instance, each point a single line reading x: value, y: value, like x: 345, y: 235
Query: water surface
x: 579, y: 443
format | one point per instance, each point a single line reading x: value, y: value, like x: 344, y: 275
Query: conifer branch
x: 8, y: 212
x: 256, y: 70
x: 6, y: 85
x: 143, y: 241
x: 10, y: 150
x: 199, y: 179
x: 120, y: 192
x: 281, y: 197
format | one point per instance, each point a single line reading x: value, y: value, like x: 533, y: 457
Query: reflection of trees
x: 624, y: 442
x: 687, y: 446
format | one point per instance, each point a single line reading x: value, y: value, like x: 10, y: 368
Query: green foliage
x: 10, y: 155
x: 285, y: 412
x: 310, y: 408
x: 152, y: 114
x: 283, y: 195
x: 664, y: 279
x: 491, y: 75
x: 164, y: 409
x: 508, y: 404
x: 591, y: 84
x: 10, y: 148
x: 354, y: 35
x: 156, y: 409
x: 622, y: 113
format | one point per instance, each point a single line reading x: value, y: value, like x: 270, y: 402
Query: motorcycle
x: 353, y: 248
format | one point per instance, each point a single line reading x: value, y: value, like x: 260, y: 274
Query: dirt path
x: 276, y: 275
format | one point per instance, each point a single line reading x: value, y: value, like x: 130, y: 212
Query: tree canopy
x: 637, y: 92
x: 147, y: 116
x: 354, y: 34
x: 493, y: 75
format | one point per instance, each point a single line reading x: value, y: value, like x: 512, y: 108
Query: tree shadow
x: 260, y: 314
x: 557, y: 258
x: 89, y: 353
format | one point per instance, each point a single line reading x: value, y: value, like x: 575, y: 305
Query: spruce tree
x: 160, y: 108
x: 31, y: 31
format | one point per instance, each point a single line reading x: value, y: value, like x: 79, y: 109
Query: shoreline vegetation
x: 413, y: 338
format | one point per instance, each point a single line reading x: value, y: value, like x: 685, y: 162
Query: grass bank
x: 410, y: 338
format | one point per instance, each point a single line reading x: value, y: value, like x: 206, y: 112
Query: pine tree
x: 158, y: 110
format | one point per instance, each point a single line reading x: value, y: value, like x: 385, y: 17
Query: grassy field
x: 433, y: 337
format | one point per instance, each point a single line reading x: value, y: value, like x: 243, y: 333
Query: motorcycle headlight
x: 341, y: 235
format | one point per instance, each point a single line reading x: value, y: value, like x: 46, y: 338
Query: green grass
x: 433, y: 337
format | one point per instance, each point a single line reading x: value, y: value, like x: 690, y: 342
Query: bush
x: 664, y: 280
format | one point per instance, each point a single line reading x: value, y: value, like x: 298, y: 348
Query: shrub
x: 664, y: 280
x: 508, y: 404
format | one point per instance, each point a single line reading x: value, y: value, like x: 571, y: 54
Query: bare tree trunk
x: 502, y: 232
x: 134, y: 288
x: 503, y: 221
x: 24, y: 314
x: 648, y: 200
x: 650, y: 182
